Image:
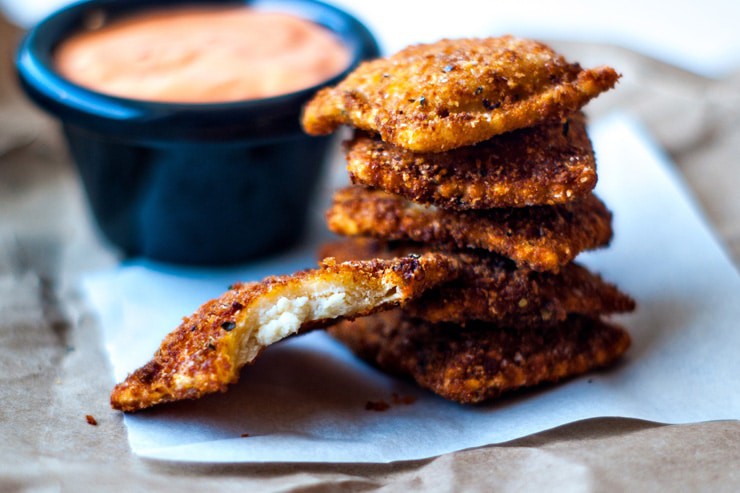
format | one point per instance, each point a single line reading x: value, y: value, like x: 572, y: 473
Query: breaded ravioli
x: 457, y: 92
x: 491, y: 288
x: 544, y: 165
x: 205, y: 353
x: 542, y: 238
x: 481, y: 361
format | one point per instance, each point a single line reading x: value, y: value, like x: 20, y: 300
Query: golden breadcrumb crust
x: 539, y: 237
x: 457, y: 92
x: 491, y: 288
x: 544, y: 165
x: 205, y: 353
x: 481, y: 361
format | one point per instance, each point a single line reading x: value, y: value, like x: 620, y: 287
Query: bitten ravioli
x: 206, y: 352
x: 453, y: 93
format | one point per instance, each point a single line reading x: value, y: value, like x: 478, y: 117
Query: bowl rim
x: 86, y: 107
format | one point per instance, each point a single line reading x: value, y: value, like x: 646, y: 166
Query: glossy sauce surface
x: 202, y: 55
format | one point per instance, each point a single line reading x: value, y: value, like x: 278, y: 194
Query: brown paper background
x: 53, y: 370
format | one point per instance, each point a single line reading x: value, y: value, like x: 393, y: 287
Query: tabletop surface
x: 54, y: 371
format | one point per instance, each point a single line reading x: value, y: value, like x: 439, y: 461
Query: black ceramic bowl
x: 188, y: 183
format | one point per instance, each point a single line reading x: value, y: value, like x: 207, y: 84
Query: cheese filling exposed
x: 282, y: 316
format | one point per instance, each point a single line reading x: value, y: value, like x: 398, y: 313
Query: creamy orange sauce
x: 202, y: 55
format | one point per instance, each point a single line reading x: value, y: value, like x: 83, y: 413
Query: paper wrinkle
x: 304, y: 399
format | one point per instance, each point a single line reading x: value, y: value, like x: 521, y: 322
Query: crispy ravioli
x: 491, y: 288
x: 544, y: 165
x: 480, y: 361
x: 457, y: 92
x: 542, y: 238
x: 205, y: 353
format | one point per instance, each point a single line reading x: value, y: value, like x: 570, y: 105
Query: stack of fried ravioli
x: 476, y: 148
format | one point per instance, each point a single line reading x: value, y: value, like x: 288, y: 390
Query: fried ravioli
x: 491, y: 288
x: 481, y: 361
x: 206, y: 352
x: 454, y: 93
x: 544, y: 165
x: 541, y: 238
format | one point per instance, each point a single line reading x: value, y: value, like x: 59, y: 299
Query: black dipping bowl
x: 188, y: 183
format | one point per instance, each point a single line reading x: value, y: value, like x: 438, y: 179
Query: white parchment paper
x: 304, y: 400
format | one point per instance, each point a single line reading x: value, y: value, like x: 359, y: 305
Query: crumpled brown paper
x: 53, y: 372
